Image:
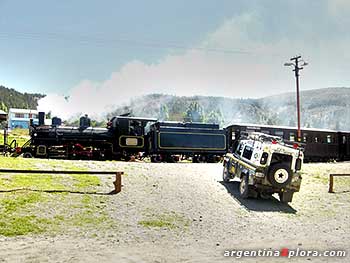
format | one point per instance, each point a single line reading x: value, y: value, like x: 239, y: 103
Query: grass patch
x: 82, y: 181
x: 20, y: 135
x: 165, y: 220
x: 28, y: 212
x: 15, y: 202
x: 12, y: 220
x: 322, y: 179
x: 32, y: 181
x: 156, y: 223
x: 22, y: 225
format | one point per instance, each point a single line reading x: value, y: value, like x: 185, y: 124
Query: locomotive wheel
x: 27, y: 155
x: 202, y: 159
x: 280, y: 175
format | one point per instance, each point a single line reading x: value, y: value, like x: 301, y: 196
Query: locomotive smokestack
x: 41, y: 118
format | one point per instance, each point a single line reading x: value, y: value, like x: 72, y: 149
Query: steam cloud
x: 255, y: 73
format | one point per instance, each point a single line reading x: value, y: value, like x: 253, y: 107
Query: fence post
x: 118, y: 182
x: 330, y: 190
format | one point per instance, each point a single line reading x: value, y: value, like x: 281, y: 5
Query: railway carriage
x: 320, y: 144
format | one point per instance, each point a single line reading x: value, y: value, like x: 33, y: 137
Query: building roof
x: 22, y: 110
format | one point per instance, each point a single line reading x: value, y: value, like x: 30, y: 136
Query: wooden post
x: 331, y: 181
x: 118, y: 182
x: 330, y: 190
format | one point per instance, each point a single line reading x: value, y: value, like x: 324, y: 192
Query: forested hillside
x: 321, y: 108
x: 10, y: 98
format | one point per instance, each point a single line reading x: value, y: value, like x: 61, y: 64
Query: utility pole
x: 296, y: 69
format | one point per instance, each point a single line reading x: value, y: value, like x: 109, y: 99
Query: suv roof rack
x: 261, y: 137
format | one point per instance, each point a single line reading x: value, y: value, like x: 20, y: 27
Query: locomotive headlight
x: 35, y: 134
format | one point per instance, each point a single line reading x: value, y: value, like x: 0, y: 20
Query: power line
x: 88, y: 40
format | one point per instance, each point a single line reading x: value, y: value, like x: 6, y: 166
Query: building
x: 19, y: 118
x: 3, y: 116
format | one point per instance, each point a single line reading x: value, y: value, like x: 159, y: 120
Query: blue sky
x: 50, y: 45
x: 108, y: 51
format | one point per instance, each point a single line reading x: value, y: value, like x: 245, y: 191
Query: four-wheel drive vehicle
x: 265, y: 165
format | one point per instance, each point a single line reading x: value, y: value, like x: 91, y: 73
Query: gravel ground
x: 199, y: 218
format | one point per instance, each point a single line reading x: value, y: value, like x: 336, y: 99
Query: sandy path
x: 213, y: 219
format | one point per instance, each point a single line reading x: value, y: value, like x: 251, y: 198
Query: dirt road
x: 185, y: 213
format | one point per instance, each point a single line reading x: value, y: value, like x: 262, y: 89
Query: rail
x: 117, y: 183
x: 331, y: 181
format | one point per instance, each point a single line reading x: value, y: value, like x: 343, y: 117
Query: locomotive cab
x: 130, y: 132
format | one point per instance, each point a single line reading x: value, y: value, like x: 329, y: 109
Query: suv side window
x: 247, y: 153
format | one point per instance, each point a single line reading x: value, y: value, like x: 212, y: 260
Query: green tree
x: 215, y: 116
x: 3, y: 107
x: 163, y: 113
x: 194, y: 113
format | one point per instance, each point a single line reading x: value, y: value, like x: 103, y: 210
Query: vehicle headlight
x: 295, y: 179
x: 259, y: 174
x: 264, y: 157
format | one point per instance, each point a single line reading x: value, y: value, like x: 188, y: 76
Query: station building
x: 19, y: 118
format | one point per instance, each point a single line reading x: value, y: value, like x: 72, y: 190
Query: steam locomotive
x: 125, y: 137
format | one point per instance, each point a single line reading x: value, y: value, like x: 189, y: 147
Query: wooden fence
x: 331, y: 181
x: 117, y: 183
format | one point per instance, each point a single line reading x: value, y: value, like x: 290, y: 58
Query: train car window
x: 316, y: 139
x: 329, y: 138
x: 292, y: 137
x: 265, y: 131
x: 305, y: 137
x: 279, y: 133
x: 247, y: 153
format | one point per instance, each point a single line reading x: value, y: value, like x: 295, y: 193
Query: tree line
x: 10, y: 98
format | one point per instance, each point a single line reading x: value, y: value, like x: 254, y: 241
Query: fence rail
x: 331, y: 181
x: 117, y: 183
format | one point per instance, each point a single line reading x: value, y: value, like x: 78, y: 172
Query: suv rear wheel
x: 280, y: 175
x: 286, y: 197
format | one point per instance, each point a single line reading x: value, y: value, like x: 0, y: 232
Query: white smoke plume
x: 256, y: 72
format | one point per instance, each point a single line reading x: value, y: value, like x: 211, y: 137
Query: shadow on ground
x: 257, y: 204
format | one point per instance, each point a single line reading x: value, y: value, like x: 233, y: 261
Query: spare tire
x: 280, y: 175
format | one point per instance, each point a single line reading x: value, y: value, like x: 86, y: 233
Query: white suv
x: 265, y: 165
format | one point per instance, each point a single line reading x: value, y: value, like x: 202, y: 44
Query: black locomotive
x: 125, y: 137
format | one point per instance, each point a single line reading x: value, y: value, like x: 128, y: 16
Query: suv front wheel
x: 244, y: 187
x: 225, y: 173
